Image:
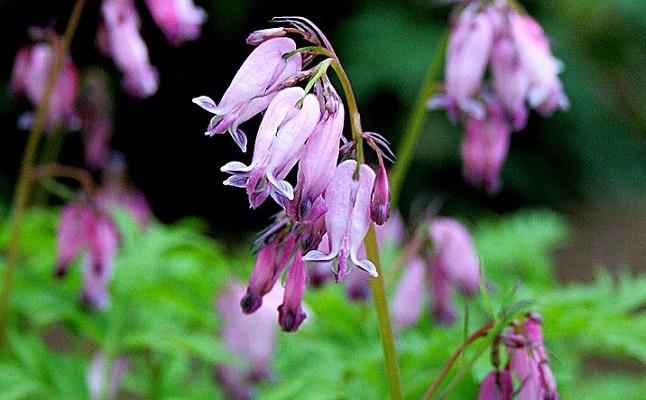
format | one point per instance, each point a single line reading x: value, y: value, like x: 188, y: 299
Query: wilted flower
x: 484, y: 148
x: 281, y: 138
x: 348, y: 219
x: 96, y: 377
x: 119, y: 37
x: 29, y: 78
x: 180, y: 20
x: 252, y: 88
x: 252, y: 338
x: 290, y: 313
x: 409, y: 295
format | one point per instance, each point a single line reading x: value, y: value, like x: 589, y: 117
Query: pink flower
x: 468, y: 53
x: 497, y: 385
x: 510, y: 81
x: 545, y: 91
x: 74, y: 227
x: 290, y: 313
x: 251, y: 338
x: 95, y: 109
x: 119, y: 37
x: 252, y: 88
x: 455, y: 254
x: 318, y: 161
x: 380, y: 199
x: 29, y: 77
x: 443, y: 310
x: 270, y: 261
x: 180, y: 20
x: 96, y: 376
x: 409, y: 295
x: 484, y: 148
x: 279, y: 144
x: 347, y: 219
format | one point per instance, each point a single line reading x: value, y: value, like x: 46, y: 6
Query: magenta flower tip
x: 380, y: 199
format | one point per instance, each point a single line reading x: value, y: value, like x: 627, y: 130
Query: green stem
x: 483, y: 331
x: 377, y: 287
x: 416, y: 122
x: 23, y: 185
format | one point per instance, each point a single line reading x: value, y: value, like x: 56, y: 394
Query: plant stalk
x: 377, y: 286
x: 415, y: 122
x: 23, y: 185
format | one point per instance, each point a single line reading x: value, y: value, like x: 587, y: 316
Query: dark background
x: 589, y: 163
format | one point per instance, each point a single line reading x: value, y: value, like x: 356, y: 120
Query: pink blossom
x: 484, y: 148
x: 468, y: 53
x: 545, y: 91
x: 510, y: 81
x: 319, y: 160
x: 290, y: 312
x: 74, y: 227
x: 279, y: 144
x: 119, y: 37
x: 252, y: 88
x: 409, y: 295
x: 29, y: 77
x: 180, y: 20
x: 348, y: 219
x: 251, y: 338
x: 455, y: 254
x: 443, y: 310
x: 497, y: 385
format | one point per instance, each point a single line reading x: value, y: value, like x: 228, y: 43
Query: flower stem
x: 377, y: 287
x: 483, y: 331
x: 23, y: 185
x: 416, y: 122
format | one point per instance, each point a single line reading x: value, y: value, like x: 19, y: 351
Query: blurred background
x: 589, y: 163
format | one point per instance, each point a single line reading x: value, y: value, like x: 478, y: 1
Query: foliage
x: 162, y: 318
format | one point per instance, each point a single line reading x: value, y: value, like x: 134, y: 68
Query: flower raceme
x: 524, y: 74
x: 252, y: 88
x: 326, y: 216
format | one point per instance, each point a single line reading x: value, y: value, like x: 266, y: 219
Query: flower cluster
x: 452, y: 264
x: 524, y: 73
x: 86, y: 227
x: 326, y: 215
x: 118, y: 37
x: 527, y: 360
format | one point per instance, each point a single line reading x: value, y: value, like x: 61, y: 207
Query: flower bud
x: 290, y: 313
x: 497, y: 385
x: 380, y: 199
x: 260, y: 36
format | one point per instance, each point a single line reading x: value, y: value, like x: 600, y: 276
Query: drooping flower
x: 409, y: 295
x: 347, y: 219
x: 279, y: 144
x: 290, y: 312
x: 545, y: 91
x: 251, y: 338
x: 442, y: 308
x: 318, y: 162
x: 270, y: 262
x: 497, y: 385
x: 180, y: 20
x: 74, y: 227
x: 29, y: 78
x: 95, y: 109
x: 119, y: 37
x: 455, y: 254
x: 484, y: 148
x: 96, y: 377
x: 252, y: 88
x: 468, y: 53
